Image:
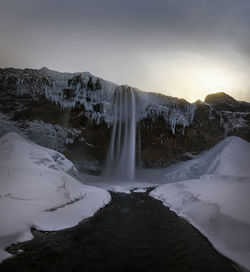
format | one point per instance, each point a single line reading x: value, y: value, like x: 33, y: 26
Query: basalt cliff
x: 74, y: 113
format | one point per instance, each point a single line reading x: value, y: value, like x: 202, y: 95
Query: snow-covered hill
x: 37, y: 190
x: 213, y: 195
x: 229, y: 157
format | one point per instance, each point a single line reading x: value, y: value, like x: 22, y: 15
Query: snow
x: 37, y: 190
x: 229, y: 157
x: 140, y: 190
x: 214, y: 196
x: 49, y: 135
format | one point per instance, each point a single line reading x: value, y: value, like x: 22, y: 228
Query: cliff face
x: 73, y: 113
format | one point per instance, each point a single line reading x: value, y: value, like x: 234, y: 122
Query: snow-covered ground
x: 213, y: 194
x: 37, y: 189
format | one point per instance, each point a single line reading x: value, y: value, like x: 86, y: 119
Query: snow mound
x: 229, y: 157
x: 37, y: 190
x: 218, y: 203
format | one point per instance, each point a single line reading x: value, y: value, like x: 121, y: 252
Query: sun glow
x: 215, y: 81
x: 192, y: 77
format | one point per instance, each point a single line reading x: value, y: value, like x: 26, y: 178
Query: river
x: 133, y: 233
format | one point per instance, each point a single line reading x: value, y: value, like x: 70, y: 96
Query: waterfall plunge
x: 121, y: 158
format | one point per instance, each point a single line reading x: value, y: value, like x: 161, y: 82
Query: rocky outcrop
x: 77, y: 109
x: 235, y: 115
x: 223, y: 102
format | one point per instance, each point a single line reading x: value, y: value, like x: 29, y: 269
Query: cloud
x: 100, y: 36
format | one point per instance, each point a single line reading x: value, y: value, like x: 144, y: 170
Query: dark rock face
x: 213, y: 121
x: 223, y: 102
x: 235, y: 115
x: 78, y: 108
x: 161, y: 147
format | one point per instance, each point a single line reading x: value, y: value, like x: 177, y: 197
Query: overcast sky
x: 183, y: 48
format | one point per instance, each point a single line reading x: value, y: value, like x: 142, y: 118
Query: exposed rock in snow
x: 216, y: 202
x: 36, y: 190
x: 49, y: 135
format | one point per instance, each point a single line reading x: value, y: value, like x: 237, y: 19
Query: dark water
x: 133, y: 233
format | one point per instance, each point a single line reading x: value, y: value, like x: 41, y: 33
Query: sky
x: 182, y: 48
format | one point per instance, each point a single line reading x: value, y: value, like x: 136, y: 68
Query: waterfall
x: 121, y: 159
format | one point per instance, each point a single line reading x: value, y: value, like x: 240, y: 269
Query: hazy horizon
x: 180, y: 48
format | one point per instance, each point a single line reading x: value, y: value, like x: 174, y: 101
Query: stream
x: 133, y: 233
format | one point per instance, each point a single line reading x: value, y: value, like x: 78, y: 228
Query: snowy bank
x: 37, y: 190
x: 217, y: 203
